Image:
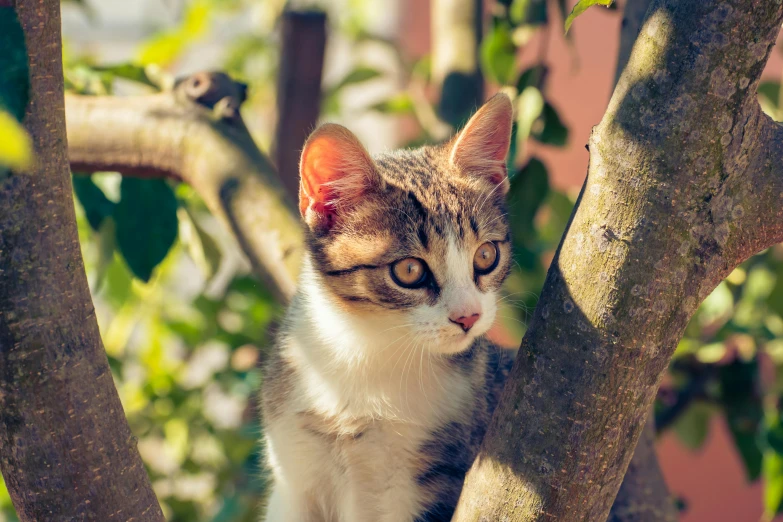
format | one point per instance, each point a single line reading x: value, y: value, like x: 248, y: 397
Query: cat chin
x: 456, y: 344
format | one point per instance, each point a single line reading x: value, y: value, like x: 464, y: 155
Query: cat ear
x: 335, y: 171
x: 480, y: 148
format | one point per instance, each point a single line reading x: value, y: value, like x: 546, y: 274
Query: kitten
x: 380, y: 388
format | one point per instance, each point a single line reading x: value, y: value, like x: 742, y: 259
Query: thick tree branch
x: 673, y: 202
x: 195, y: 134
x: 298, y: 91
x: 66, y: 451
x: 643, y: 495
x: 633, y: 16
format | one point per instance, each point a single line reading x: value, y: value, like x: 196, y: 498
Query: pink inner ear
x: 320, y: 165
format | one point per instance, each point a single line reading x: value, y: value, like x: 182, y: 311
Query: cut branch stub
x: 214, y: 90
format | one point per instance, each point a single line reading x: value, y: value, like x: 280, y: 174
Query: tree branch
x: 671, y: 205
x: 633, y: 16
x: 643, y: 495
x: 66, y: 451
x: 298, y: 91
x: 195, y: 134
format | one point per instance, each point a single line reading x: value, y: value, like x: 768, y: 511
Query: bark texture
x: 298, y: 91
x: 633, y: 15
x: 66, y: 451
x: 672, y: 203
x: 643, y: 495
x: 195, y: 134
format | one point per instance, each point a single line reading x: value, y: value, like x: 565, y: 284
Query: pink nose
x: 465, y: 322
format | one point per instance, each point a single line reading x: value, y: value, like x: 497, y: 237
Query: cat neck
x: 356, y: 364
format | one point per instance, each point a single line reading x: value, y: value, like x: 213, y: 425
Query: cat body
x: 381, y: 385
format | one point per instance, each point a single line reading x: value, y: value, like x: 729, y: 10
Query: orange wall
x: 712, y: 480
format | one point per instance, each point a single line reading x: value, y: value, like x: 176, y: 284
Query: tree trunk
x: 66, y: 451
x: 670, y: 206
x: 298, y: 91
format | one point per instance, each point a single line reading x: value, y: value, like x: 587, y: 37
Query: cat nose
x: 465, y: 322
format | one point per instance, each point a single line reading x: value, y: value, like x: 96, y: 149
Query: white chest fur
x: 363, y: 400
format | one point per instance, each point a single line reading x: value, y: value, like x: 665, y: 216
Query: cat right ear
x: 480, y: 148
x: 335, y: 171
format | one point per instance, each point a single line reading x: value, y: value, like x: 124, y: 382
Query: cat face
x: 415, y: 242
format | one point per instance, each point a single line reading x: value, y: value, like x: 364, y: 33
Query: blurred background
x: 186, y: 327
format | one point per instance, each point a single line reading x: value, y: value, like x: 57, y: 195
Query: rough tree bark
x: 683, y: 185
x: 298, y: 91
x: 66, y: 451
x: 643, y: 495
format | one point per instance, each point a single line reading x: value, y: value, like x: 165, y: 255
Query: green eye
x: 409, y: 272
x: 486, y: 258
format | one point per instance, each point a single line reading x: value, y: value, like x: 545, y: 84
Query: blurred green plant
x: 15, y: 146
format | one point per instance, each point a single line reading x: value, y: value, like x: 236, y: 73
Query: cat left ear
x: 480, y: 148
x: 335, y: 171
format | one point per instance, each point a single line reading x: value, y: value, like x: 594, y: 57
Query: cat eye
x: 486, y: 258
x: 410, y: 272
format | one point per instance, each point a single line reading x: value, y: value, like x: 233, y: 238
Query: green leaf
x: 14, y: 72
x: 15, y: 146
x: 552, y: 132
x: 168, y: 46
x: 744, y: 412
x: 693, y: 425
x: 146, y: 218
x: 769, y: 98
x: 560, y: 210
x: 116, y: 285
x: 528, y: 12
x: 775, y: 297
x: 581, y: 7
x: 128, y: 71
x: 532, y: 77
x: 16, y: 151
x: 358, y: 75
x: 96, y: 205
x: 773, y: 483
x: 107, y: 242
x: 398, y: 104
x: 530, y: 105
x: 498, y: 54
x: 529, y: 189
x: 330, y: 103
x: 200, y: 245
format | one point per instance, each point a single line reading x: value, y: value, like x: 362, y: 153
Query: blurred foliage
x: 15, y: 146
x: 582, y: 6
x: 185, y: 326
